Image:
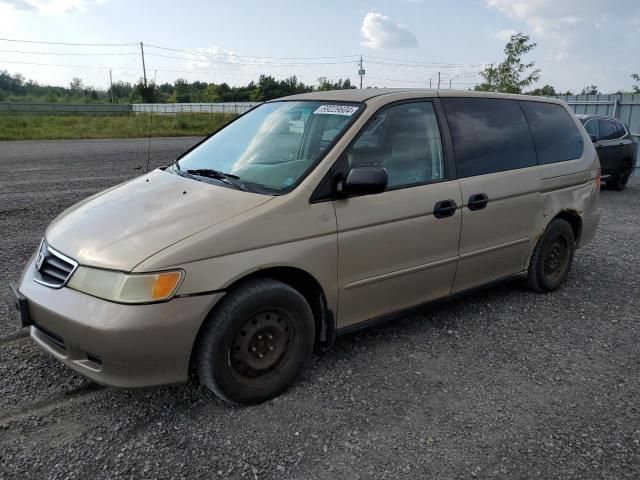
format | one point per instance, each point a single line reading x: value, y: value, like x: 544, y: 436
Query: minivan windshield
x: 272, y: 147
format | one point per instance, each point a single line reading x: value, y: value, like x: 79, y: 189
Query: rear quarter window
x: 489, y: 135
x: 555, y: 134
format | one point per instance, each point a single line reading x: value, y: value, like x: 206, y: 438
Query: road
x: 504, y: 383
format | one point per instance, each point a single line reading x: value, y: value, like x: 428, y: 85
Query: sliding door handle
x: 478, y: 201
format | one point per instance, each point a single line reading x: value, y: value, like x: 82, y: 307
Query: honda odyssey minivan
x: 306, y: 218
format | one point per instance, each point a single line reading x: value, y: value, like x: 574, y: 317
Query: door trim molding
x: 397, y: 273
x: 512, y: 243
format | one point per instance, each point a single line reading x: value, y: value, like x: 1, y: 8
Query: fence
x: 622, y: 107
x: 66, y: 108
x: 173, y: 108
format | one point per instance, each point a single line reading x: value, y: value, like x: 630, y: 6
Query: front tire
x: 552, y: 258
x: 256, y: 342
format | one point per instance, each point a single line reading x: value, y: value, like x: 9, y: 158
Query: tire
x: 255, y: 343
x: 620, y: 181
x: 552, y: 258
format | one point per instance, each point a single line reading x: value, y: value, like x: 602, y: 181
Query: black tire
x: 255, y: 343
x: 552, y: 258
x: 620, y: 181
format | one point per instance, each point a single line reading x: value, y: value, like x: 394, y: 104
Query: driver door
x: 398, y: 248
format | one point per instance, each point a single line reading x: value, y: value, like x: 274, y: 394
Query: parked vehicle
x: 615, y: 147
x: 309, y: 217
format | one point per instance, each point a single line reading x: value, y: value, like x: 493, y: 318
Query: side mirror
x: 593, y: 138
x: 364, y: 181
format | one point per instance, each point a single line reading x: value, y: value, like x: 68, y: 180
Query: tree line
x: 17, y: 88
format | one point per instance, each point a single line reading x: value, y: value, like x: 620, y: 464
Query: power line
x: 203, y: 58
x: 64, y: 65
x: 68, y: 53
x: 69, y: 43
x: 254, y: 57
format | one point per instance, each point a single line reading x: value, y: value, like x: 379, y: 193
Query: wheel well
x: 310, y: 289
x: 573, y: 219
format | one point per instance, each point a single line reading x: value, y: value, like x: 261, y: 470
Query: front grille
x: 53, y: 269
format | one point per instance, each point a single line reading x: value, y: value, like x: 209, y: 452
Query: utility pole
x: 144, y: 68
x: 361, y: 71
x: 429, y: 82
x: 450, y: 83
x: 438, y: 80
x: 111, y: 83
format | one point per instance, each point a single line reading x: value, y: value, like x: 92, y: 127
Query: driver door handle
x: 444, y: 208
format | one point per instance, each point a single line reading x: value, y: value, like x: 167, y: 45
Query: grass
x: 50, y: 127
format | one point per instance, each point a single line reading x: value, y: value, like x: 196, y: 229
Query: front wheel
x: 552, y: 258
x: 256, y: 342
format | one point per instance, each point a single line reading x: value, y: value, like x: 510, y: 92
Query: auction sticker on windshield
x: 346, y: 110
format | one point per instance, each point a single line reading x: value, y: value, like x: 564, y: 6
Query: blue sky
x: 404, y: 42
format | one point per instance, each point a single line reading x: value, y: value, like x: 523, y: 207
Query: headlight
x: 126, y: 288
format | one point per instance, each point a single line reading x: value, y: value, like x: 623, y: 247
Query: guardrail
x: 173, y: 108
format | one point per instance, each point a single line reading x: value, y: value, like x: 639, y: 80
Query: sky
x: 404, y: 43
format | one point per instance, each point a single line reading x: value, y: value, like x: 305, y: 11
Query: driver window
x: 404, y: 139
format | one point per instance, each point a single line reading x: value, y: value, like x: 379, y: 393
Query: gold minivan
x: 306, y: 218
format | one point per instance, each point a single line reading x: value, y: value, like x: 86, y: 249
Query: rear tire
x: 620, y: 181
x: 552, y: 258
x: 256, y: 342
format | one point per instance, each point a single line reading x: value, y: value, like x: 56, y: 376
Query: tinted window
x: 608, y: 131
x: 488, y: 135
x: 555, y: 133
x: 592, y: 127
x: 404, y: 139
x: 621, y: 130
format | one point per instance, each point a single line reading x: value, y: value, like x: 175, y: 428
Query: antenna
x: 150, y: 122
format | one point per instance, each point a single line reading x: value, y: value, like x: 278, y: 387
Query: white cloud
x: 552, y: 17
x: 49, y: 7
x: 505, y: 35
x: 379, y: 31
x: 206, y: 57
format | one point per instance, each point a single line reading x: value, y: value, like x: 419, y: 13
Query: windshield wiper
x: 218, y: 175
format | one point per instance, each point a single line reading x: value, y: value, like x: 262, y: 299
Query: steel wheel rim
x: 556, y: 259
x: 262, y: 347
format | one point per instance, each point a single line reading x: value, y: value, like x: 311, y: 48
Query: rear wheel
x: 256, y: 342
x: 551, y: 260
x: 620, y: 181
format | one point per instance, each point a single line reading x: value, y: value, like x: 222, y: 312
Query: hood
x: 122, y: 226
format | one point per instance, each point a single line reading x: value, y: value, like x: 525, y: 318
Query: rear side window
x: 608, y: 130
x: 489, y: 135
x: 621, y: 130
x: 555, y: 133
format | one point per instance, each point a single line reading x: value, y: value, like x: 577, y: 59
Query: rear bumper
x: 118, y: 345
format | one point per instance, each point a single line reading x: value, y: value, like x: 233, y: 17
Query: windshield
x: 273, y: 146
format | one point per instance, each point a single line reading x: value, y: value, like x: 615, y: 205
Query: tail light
x: 599, y: 178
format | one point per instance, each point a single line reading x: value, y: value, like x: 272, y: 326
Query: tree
x: 511, y: 75
x: 636, y: 77
x: 590, y: 90
x: 324, y: 84
x: 546, y: 91
x: 76, y: 85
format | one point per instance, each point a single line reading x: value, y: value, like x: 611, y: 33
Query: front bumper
x: 119, y: 345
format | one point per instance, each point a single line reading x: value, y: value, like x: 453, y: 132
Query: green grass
x: 48, y: 127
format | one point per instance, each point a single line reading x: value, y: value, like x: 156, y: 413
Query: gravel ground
x: 501, y: 384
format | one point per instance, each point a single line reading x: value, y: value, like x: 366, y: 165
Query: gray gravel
x: 501, y: 384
